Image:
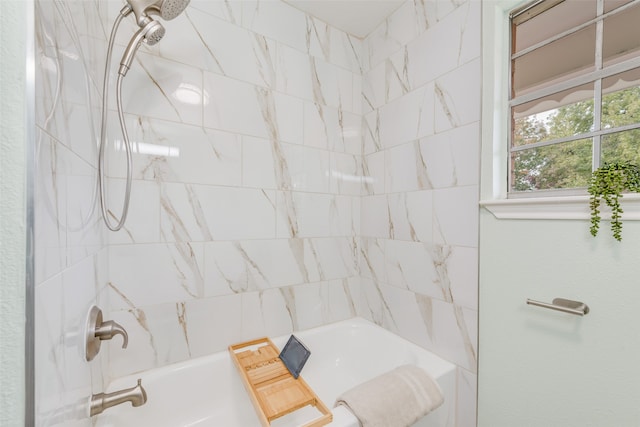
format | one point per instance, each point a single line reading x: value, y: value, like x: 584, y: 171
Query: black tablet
x: 294, y: 355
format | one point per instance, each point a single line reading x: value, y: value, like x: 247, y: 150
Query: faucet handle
x: 109, y: 329
x: 98, y: 331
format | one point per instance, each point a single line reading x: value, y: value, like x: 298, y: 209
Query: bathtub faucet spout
x: 101, y: 401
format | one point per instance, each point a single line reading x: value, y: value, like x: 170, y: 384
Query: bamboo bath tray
x: 274, y: 392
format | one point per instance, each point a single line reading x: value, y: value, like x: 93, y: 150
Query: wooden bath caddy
x: 273, y: 390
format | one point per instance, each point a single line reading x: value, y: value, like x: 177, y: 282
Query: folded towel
x: 397, y: 398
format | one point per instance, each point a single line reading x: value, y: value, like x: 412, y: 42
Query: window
x: 574, y: 92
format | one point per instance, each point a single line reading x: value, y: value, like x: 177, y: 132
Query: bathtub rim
x: 440, y: 366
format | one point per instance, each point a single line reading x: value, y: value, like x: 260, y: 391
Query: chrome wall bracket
x: 565, y: 305
x: 97, y: 331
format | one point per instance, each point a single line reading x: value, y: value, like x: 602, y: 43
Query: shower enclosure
x: 285, y: 175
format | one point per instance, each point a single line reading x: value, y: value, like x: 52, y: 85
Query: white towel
x: 397, y: 398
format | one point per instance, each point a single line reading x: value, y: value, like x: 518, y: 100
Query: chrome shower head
x: 154, y: 34
x: 166, y: 9
x: 170, y: 9
x: 151, y: 31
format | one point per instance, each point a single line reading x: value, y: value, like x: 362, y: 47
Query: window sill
x: 566, y: 207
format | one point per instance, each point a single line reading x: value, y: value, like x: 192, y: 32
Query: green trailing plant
x: 607, y: 183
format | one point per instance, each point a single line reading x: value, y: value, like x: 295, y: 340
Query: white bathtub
x: 207, y: 391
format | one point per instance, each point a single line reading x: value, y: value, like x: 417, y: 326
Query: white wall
x: 70, y: 259
x: 421, y: 136
x: 539, y: 367
x: 13, y: 51
x: 252, y: 229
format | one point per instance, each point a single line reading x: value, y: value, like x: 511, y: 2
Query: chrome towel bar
x: 564, y: 305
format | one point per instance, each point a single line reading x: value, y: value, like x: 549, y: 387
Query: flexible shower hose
x: 127, y: 145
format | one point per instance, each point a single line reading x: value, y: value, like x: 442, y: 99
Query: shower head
x: 170, y: 9
x: 142, y: 9
x: 166, y: 9
x: 152, y: 32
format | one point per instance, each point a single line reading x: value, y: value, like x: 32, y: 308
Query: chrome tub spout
x: 101, y: 401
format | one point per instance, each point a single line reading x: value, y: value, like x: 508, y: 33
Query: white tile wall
x: 420, y: 217
x: 294, y: 177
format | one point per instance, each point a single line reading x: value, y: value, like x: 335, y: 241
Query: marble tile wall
x: 245, y: 212
x: 421, y: 139
x: 286, y: 175
x: 246, y: 195
x: 70, y: 243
